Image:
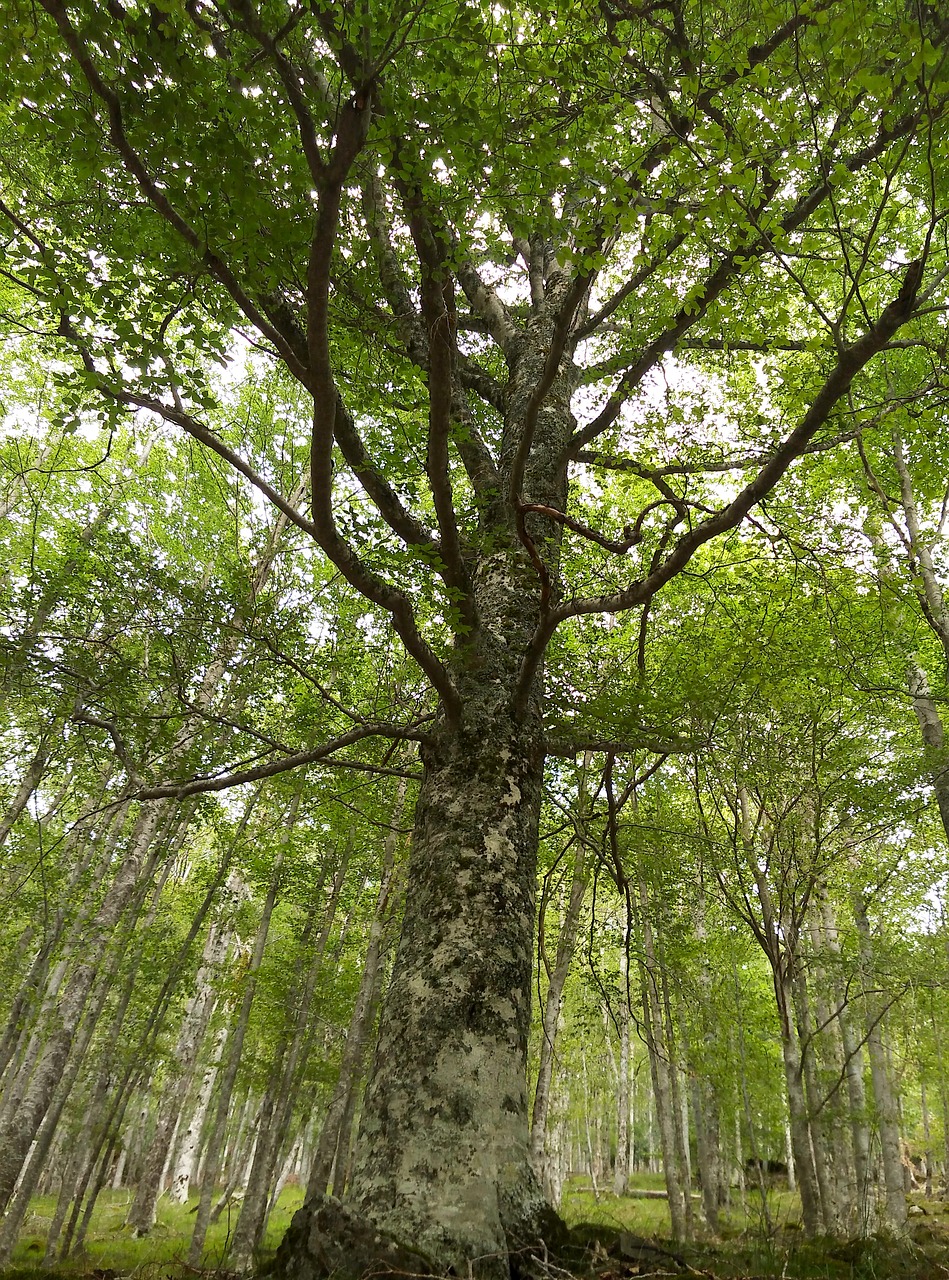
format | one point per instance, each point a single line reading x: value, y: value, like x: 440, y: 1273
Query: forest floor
x: 628, y: 1240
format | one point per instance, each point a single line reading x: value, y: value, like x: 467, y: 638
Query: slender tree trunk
x: 621, y: 1166
x: 330, y: 1152
x: 28, y: 785
x: 887, y: 1112
x: 856, y: 1092
x: 20, y: 1129
x: 705, y: 1103
x: 550, y: 1022
x: 661, y: 1067
x: 826, y: 1174
x: 33, y: 1168
x: 780, y: 950
x: 188, y: 1147
x: 216, y: 1138
x: 142, y: 1212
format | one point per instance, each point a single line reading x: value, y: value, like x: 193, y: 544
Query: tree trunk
x: 443, y: 1157
x: 856, y: 1092
x: 828, y: 1185
x: 143, y: 1210
x: 883, y: 1093
x: 662, y: 1067
x: 187, y: 1153
x: 329, y: 1153
x: 21, y: 1128
x: 621, y: 1165
x: 556, y: 981
x: 26, y: 788
x: 229, y: 1075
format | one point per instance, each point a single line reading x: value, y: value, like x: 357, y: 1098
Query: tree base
x: 327, y: 1238
x: 330, y: 1239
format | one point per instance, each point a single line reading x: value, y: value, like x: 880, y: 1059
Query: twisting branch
x: 438, y: 311
x: 328, y: 410
x: 850, y: 361
x: 730, y: 266
x: 156, y: 197
x: 290, y: 79
x: 632, y: 534
x: 487, y: 304
x: 571, y: 298
x: 118, y: 742
x: 474, y: 453
x: 411, y: 530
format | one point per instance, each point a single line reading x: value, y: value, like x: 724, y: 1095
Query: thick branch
x: 850, y: 361
x: 199, y: 786
x: 290, y: 79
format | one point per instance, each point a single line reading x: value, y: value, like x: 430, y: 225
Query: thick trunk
x: 443, y: 1158
x: 443, y: 1153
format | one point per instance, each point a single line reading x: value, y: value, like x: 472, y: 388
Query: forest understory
x: 612, y: 1238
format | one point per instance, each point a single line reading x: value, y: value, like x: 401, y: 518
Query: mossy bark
x: 443, y: 1156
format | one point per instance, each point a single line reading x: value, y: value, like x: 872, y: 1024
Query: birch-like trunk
x: 884, y: 1095
x: 661, y: 1067
x: 864, y: 1206
x: 143, y: 1210
x: 186, y: 1155
x: 550, y: 1021
x: 216, y: 1139
x: 229, y: 1075
x: 21, y: 1128
x: 621, y: 1165
x: 333, y: 1144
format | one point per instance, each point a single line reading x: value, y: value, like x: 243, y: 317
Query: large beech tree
x: 496, y: 253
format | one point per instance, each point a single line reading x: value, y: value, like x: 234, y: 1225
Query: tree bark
x: 662, y: 1066
x: 887, y: 1114
x: 333, y: 1144
x: 550, y: 1022
x: 21, y: 1128
x: 443, y: 1158
x: 144, y: 1207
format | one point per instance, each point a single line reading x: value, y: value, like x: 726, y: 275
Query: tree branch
x: 156, y: 197
x: 850, y: 361
x: 222, y: 782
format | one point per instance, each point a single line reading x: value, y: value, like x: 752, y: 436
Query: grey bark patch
x: 327, y: 1238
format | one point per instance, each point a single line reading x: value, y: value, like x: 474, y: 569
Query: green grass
x: 111, y: 1246
x: 770, y: 1248
x: 745, y: 1247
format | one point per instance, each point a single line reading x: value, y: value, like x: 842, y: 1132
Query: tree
x: 473, y: 240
